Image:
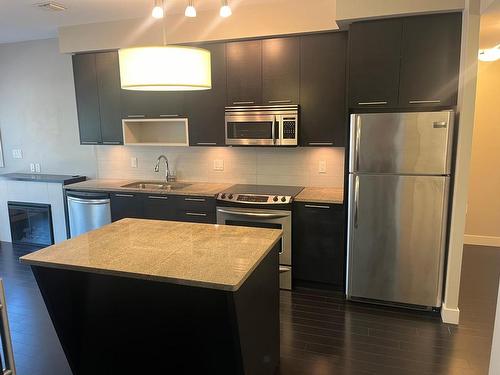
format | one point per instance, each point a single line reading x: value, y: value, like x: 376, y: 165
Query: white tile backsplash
x: 273, y: 166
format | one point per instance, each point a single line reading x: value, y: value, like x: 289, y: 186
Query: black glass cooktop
x: 264, y: 190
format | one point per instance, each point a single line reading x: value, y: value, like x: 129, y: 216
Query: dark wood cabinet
x: 126, y: 205
x: 205, y: 109
x: 323, y: 116
x: 196, y: 209
x: 374, y: 60
x: 87, y: 98
x: 97, y: 86
x: 280, y: 71
x: 318, y: 244
x: 430, y: 60
x: 152, y: 104
x: 244, y: 73
x: 159, y: 207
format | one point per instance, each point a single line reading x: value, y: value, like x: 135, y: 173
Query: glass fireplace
x: 31, y: 223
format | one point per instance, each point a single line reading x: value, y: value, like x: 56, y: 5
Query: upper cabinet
x: 323, y: 115
x: 97, y: 86
x: 244, y: 73
x: 410, y: 62
x: 205, y: 108
x: 280, y: 71
x: 430, y: 60
x: 152, y: 104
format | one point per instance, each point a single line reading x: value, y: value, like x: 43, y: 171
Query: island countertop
x: 202, y: 255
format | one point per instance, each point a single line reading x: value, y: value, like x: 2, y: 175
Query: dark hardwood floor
x: 321, y: 333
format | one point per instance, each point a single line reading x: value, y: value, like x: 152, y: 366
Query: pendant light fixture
x: 165, y: 68
x: 225, y: 9
x: 490, y: 54
x: 190, y: 9
x: 158, y: 9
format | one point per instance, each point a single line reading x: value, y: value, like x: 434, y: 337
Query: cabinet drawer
x: 196, y: 203
x: 159, y: 207
x: 194, y: 216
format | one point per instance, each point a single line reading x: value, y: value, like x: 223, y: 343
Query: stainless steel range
x: 262, y: 206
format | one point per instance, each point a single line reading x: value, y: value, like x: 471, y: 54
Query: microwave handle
x: 276, y: 129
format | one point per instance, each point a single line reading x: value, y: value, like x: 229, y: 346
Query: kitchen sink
x: 155, y: 185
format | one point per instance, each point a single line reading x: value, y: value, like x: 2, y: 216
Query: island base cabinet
x: 118, y: 325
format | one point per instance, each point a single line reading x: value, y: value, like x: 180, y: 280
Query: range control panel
x: 254, y: 198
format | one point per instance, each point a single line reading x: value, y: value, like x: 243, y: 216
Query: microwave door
x: 258, y: 130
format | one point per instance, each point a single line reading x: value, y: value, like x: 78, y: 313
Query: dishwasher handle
x: 86, y: 195
x: 89, y: 201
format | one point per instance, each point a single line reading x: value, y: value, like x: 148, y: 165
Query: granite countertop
x: 194, y: 188
x: 321, y: 195
x: 40, y: 177
x: 202, y: 255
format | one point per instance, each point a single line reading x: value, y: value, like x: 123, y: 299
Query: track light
x: 190, y: 9
x: 158, y: 9
x: 225, y: 9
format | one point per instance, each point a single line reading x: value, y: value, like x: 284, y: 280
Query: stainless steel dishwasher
x: 87, y: 211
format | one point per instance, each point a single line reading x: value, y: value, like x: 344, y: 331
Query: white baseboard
x: 471, y: 239
x: 450, y: 316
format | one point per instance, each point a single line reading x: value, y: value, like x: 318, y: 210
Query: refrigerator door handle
x: 356, y: 201
x: 358, y: 142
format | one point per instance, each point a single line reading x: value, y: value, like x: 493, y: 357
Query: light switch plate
x: 17, y: 153
x: 218, y: 165
x: 322, y: 166
x: 133, y: 162
x: 37, y: 168
x: 32, y: 167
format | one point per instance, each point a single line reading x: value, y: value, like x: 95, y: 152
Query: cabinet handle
x: 371, y: 103
x: 356, y: 201
x: 424, y: 101
x: 195, y: 214
x: 111, y: 143
x: 280, y: 101
x: 136, y: 116
x: 156, y: 197
x: 195, y: 199
x: 125, y: 195
x: 206, y: 143
x: 249, y: 102
x: 169, y: 115
x: 89, y: 143
x: 320, y: 143
x: 316, y: 206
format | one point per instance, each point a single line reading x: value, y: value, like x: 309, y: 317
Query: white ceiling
x: 20, y: 20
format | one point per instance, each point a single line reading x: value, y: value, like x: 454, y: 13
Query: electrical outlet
x: 17, y: 153
x: 32, y: 167
x: 133, y: 162
x: 37, y: 168
x: 218, y: 165
x: 322, y: 166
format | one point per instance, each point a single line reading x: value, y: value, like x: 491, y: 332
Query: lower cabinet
x: 195, y: 209
x: 318, y: 251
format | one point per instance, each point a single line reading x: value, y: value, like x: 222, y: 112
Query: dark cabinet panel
x: 152, y: 104
x: 244, y: 72
x: 87, y: 98
x: 318, y: 244
x: 374, y: 63
x: 126, y: 205
x: 195, y: 209
x: 323, y: 119
x: 205, y: 109
x: 108, y: 81
x: 280, y: 71
x: 159, y: 207
x: 430, y: 60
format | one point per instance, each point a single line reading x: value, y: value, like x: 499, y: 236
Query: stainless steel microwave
x: 262, y: 125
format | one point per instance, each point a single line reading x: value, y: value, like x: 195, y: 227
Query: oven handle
x: 252, y: 214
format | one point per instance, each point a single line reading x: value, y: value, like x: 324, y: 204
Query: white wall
x: 38, y: 110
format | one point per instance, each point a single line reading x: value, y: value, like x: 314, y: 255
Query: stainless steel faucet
x: 169, y: 177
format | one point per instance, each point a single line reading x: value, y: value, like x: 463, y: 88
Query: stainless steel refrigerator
x: 399, y: 177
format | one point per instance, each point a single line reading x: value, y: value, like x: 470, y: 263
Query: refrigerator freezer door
x: 402, y: 143
x: 397, y: 238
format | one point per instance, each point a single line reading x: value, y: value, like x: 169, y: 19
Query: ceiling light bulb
x: 190, y: 10
x: 158, y: 9
x: 490, y: 54
x: 225, y: 9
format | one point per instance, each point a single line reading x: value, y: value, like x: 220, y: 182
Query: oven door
x: 273, y: 219
x: 251, y: 130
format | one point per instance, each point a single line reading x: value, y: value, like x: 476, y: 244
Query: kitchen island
x: 160, y: 297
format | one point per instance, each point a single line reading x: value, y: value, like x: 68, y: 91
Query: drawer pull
x: 206, y: 143
x: 169, y: 115
x: 136, y: 116
x: 111, y: 143
x: 280, y: 101
x: 372, y: 103
x: 90, y: 143
x: 125, y: 195
x: 424, y: 101
x: 156, y: 197
x: 316, y: 206
x: 320, y: 143
x: 244, y: 102
x: 195, y: 199
x: 195, y: 214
